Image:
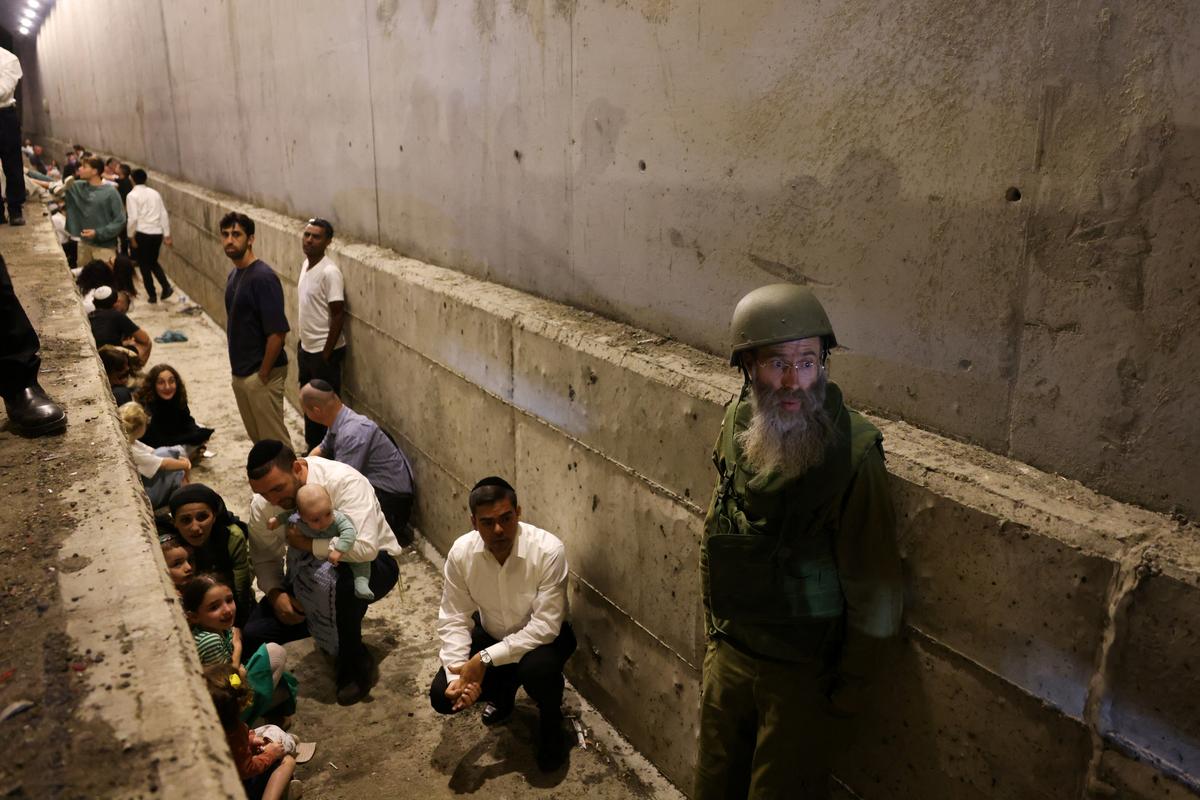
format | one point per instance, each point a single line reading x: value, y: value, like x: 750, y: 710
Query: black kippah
x: 263, y: 452
x: 494, y: 480
x: 320, y: 385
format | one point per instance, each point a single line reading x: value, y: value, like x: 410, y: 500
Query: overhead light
x: 33, y: 4
x: 30, y: 15
x: 24, y: 31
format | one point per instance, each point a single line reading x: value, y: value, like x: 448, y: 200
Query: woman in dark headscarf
x: 164, y: 397
x: 219, y: 541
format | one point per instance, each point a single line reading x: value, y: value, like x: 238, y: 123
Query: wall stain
x: 655, y: 11
x: 787, y: 272
x: 485, y: 17
x: 429, y: 9
x: 602, y: 125
x: 535, y: 12
x: 385, y: 13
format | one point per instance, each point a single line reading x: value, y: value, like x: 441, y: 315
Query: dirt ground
x: 391, y: 745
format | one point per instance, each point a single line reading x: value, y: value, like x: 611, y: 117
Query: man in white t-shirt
x: 322, y: 347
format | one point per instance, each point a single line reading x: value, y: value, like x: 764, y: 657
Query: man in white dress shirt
x: 276, y: 475
x: 148, y: 227
x: 502, y: 621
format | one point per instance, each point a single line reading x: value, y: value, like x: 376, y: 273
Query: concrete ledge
x: 136, y: 720
x: 1022, y: 674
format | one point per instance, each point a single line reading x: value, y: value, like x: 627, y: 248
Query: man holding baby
x: 316, y: 595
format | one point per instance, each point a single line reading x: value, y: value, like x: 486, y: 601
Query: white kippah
x: 102, y: 293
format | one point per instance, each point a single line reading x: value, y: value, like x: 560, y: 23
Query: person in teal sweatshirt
x: 95, y: 212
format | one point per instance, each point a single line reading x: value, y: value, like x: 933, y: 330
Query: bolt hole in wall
x: 1013, y: 194
x: 517, y: 155
x: 642, y: 166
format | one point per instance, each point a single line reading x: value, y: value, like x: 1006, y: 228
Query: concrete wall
x: 1050, y: 633
x: 651, y: 160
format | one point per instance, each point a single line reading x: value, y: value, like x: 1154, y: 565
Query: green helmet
x: 777, y: 313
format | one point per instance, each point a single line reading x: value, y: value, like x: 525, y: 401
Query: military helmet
x: 777, y: 313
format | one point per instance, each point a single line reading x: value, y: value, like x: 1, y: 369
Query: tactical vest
x: 770, y: 570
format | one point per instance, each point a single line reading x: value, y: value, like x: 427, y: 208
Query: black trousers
x: 539, y: 673
x: 396, y: 508
x: 71, y: 251
x: 146, y: 255
x: 19, y: 361
x: 311, y: 367
x: 352, y: 662
x: 10, y: 158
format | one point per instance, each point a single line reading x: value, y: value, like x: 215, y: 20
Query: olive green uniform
x: 802, y: 586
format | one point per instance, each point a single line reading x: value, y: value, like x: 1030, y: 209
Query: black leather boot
x: 35, y: 414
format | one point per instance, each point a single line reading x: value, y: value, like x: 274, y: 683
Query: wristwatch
x: 485, y: 657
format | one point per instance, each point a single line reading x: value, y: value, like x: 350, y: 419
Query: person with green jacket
x: 218, y: 539
x: 95, y: 213
x: 800, y: 573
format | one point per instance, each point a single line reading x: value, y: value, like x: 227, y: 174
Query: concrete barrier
x: 102, y: 649
x: 1050, y: 644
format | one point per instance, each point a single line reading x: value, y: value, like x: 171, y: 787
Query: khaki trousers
x: 261, y: 406
x: 89, y: 253
x: 765, y: 728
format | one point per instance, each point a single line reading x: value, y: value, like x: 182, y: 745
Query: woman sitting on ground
x: 219, y: 541
x: 164, y: 396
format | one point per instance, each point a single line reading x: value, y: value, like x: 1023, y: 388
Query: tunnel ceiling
x: 13, y: 17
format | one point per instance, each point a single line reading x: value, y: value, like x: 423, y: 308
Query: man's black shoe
x: 170, y: 290
x: 552, y: 746
x: 496, y: 714
x: 359, y: 681
x: 152, y: 299
x: 35, y: 414
x: 350, y: 693
x: 16, y: 221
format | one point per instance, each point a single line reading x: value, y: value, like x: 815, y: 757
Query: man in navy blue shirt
x: 256, y: 326
x: 359, y: 442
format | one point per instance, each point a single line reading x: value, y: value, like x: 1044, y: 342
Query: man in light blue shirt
x: 358, y: 441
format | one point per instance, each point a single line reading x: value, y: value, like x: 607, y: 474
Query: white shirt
x: 59, y: 221
x: 10, y: 73
x: 145, y: 212
x: 522, y: 603
x: 319, y: 286
x: 144, y: 459
x: 351, y: 494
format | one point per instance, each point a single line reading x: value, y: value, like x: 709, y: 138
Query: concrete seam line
x: 936, y: 644
x: 646, y: 630
x: 653, y: 485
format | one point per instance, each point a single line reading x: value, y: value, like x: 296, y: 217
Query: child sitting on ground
x: 178, y: 557
x: 163, y: 469
x: 209, y: 607
x: 264, y: 767
x: 316, y: 518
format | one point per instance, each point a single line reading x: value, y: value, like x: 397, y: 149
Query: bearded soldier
x: 799, y: 567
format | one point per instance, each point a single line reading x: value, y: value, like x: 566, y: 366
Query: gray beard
x: 790, y: 443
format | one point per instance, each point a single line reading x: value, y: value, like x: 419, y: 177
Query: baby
x: 316, y: 518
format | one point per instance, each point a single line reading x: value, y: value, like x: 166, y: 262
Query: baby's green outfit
x: 342, y: 534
